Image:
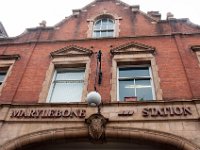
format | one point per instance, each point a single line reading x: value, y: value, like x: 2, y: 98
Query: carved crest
x: 71, y: 51
x: 132, y: 48
x: 96, y: 127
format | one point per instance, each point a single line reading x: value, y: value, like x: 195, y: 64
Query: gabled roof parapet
x: 40, y: 28
x: 71, y: 51
x: 132, y: 48
x: 117, y: 1
x: 175, y: 20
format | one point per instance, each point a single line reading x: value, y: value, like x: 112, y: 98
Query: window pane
x: 104, y: 20
x: 58, y: 93
x: 97, y: 34
x: 110, y: 24
x: 97, y: 25
x: 70, y: 75
x: 74, y: 92
x: 144, y: 93
x: 143, y: 83
x: 143, y: 89
x: 126, y: 89
x: 103, y: 34
x: 104, y: 24
x: 61, y: 75
x: 67, y: 92
x: 77, y: 75
x: 126, y: 72
x: 141, y: 71
x: 67, y: 86
x: 134, y: 72
x: 110, y: 33
x: 2, y: 76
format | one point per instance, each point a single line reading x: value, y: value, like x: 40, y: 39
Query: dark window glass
x: 135, y: 82
x: 134, y: 72
x: 3, y: 72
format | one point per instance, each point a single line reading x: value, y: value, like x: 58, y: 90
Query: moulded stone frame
x: 6, y: 64
x: 110, y: 132
x: 124, y: 58
x: 198, y: 56
x: 93, y: 19
x: 196, y: 49
x: 66, y: 62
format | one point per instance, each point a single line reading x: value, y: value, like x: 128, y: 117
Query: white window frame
x: 124, y: 59
x: 196, y: 49
x: 51, y: 90
x: 151, y: 79
x: 6, y: 64
x: 198, y: 56
x: 72, y: 62
x: 103, y: 30
x: 104, y: 14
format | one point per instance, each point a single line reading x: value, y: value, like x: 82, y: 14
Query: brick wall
x: 178, y: 66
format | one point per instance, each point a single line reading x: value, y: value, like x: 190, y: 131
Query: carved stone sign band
x: 48, y: 113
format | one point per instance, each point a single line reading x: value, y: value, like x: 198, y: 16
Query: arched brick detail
x: 111, y: 132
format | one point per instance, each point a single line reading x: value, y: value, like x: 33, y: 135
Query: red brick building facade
x: 165, y: 52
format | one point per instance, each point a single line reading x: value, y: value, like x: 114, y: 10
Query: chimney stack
x: 135, y: 8
x: 154, y: 14
x: 43, y: 23
x: 170, y: 16
x: 76, y: 12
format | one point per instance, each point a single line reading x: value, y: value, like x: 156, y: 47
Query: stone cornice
x: 132, y: 48
x: 96, y: 39
x: 40, y: 28
x: 71, y: 51
x: 117, y: 103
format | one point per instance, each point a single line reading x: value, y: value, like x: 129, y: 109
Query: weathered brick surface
x: 178, y: 75
x: 178, y: 80
x: 178, y: 66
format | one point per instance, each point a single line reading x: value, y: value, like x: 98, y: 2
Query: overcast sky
x: 17, y: 15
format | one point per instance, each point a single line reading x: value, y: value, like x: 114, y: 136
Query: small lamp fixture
x: 96, y: 122
x: 94, y: 98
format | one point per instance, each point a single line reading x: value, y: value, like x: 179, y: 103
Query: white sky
x: 17, y: 15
